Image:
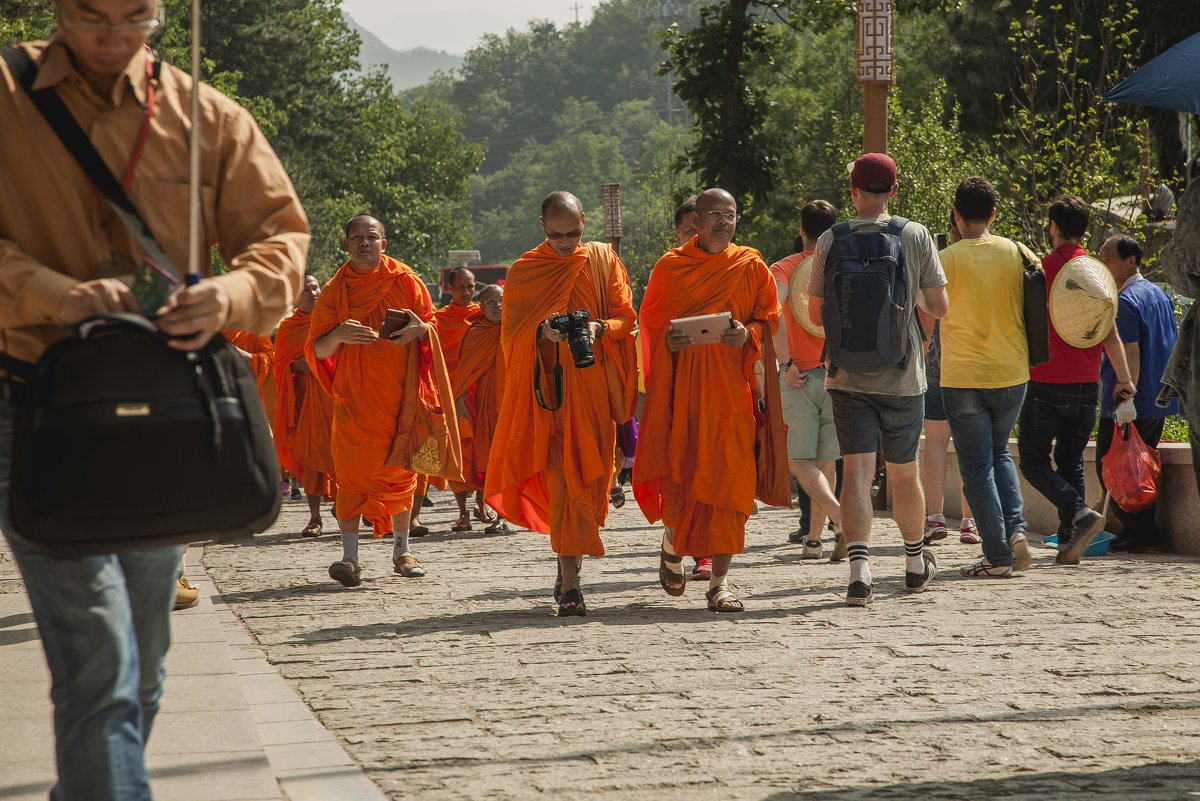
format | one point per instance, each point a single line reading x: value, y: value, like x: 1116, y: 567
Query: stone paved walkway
x: 1078, y: 682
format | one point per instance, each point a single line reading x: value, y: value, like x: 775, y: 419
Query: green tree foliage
x: 1055, y: 135
x: 347, y: 141
x: 713, y: 63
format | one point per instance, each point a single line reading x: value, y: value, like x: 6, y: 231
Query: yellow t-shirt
x: 983, y: 333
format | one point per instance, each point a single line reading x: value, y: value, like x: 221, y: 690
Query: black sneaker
x: 796, y: 536
x: 859, y: 593
x: 917, y: 582
x: 1088, y: 523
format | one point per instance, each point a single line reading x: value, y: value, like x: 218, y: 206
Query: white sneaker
x: 812, y: 551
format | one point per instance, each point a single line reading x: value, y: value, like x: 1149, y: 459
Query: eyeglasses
x: 578, y: 232
x: 723, y: 216
x: 138, y: 29
x: 498, y: 302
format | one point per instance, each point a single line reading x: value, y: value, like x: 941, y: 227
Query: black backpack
x: 866, y: 292
x: 122, y: 443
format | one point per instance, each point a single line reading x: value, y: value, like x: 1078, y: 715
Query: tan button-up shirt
x: 56, y: 230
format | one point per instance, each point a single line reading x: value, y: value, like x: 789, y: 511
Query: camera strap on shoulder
x: 556, y: 375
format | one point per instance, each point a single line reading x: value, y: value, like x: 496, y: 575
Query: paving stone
x: 1060, y: 683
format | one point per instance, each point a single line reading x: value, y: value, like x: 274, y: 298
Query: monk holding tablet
x: 695, y: 467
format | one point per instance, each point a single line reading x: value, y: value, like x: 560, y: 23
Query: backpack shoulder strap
x: 895, y: 225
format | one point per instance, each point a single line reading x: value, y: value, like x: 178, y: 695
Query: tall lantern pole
x: 876, y: 70
x: 610, y: 199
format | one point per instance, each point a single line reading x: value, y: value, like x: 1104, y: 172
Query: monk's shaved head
x: 560, y: 201
x: 368, y: 220
x: 491, y: 303
x: 711, y: 198
x: 491, y: 291
x: 716, y: 220
x: 562, y: 221
x: 460, y: 274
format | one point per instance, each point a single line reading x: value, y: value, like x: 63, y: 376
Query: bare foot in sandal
x: 670, y: 568
x: 463, y: 524
x: 720, y: 599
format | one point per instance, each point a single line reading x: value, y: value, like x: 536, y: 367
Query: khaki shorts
x: 808, y: 412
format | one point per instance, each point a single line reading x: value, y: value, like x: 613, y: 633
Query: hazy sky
x: 455, y: 25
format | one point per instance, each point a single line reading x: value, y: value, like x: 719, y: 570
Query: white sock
x: 859, y: 569
x: 350, y: 546
x: 715, y: 581
x: 399, y: 543
x: 669, y: 548
x: 914, y: 561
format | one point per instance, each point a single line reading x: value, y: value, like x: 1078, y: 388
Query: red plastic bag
x: 1131, y: 470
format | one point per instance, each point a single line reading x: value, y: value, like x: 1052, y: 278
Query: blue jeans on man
x: 1062, y: 414
x: 981, y: 421
x: 105, y: 627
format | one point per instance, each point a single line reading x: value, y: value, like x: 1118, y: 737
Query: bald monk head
x: 309, y: 294
x: 716, y: 219
x: 491, y: 301
x: 685, y: 221
x: 364, y: 242
x: 562, y: 220
x: 462, y: 286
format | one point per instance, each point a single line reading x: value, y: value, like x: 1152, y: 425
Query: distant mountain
x: 407, y: 68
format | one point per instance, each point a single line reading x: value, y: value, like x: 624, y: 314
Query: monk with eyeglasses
x: 551, y: 462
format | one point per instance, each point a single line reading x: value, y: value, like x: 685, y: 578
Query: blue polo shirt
x: 1145, y: 316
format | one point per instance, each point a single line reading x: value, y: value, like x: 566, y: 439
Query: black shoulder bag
x: 121, y: 442
x: 1037, y: 312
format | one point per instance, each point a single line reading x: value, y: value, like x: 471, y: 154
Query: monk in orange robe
x: 452, y: 322
x: 366, y: 377
x: 259, y: 353
x: 695, y: 467
x: 478, y: 385
x: 551, y: 461
x: 304, y: 414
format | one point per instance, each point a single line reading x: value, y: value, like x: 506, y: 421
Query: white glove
x: 1125, y: 412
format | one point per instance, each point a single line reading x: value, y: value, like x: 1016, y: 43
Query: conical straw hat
x: 798, y: 298
x: 1083, y: 302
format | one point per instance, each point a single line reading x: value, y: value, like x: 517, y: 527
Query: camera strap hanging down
x: 556, y: 374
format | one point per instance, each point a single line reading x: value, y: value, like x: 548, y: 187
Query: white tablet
x: 704, y: 329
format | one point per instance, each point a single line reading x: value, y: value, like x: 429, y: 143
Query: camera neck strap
x: 556, y: 374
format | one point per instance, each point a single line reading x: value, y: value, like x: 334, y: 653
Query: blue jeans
x: 105, y: 627
x: 1062, y: 415
x: 980, y: 422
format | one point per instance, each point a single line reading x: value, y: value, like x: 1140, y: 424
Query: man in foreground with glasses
x: 551, y: 464
x: 104, y: 620
x: 695, y: 465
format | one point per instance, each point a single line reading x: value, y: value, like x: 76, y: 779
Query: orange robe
x: 695, y: 465
x: 480, y: 379
x: 451, y: 326
x: 551, y: 471
x: 367, y: 384
x: 262, y: 353
x: 304, y: 414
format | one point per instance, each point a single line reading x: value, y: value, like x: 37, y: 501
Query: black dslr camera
x: 575, y: 326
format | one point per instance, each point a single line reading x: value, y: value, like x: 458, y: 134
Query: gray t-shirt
x: 924, y: 272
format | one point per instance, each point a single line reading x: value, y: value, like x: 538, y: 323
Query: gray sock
x: 399, y: 543
x: 350, y: 545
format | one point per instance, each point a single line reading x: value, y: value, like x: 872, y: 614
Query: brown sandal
x: 311, y: 530
x: 666, y: 576
x: 463, y: 524
x: 720, y: 599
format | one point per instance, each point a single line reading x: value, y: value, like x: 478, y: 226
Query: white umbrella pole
x: 194, y: 244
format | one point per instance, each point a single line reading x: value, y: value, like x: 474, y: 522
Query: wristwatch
x: 603, y: 328
x: 783, y: 368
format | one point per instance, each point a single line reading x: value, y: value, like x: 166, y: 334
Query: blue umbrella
x: 1171, y: 80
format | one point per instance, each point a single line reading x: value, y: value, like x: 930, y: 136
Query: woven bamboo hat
x: 1083, y: 302
x: 798, y: 298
